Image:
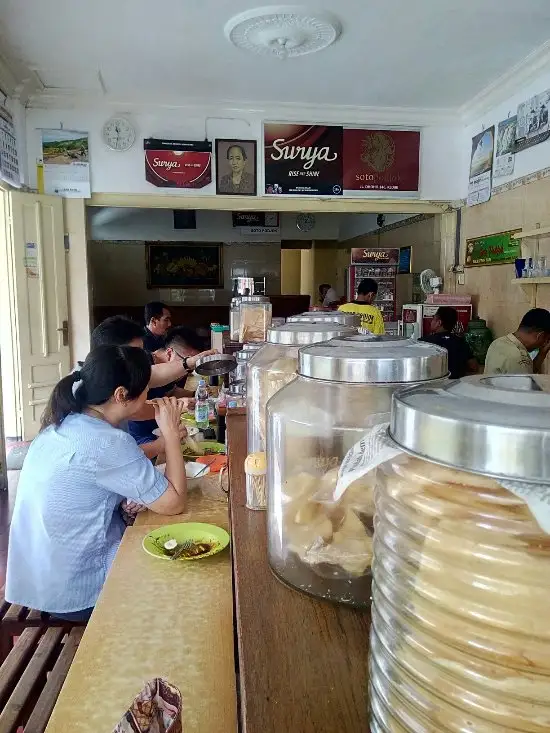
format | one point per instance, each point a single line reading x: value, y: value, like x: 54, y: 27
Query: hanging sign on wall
x: 303, y: 159
x: 481, y: 167
x: 374, y: 256
x: 381, y: 160
x: 9, y: 161
x: 178, y: 163
x: 65, y: 163
x: 494, y: 249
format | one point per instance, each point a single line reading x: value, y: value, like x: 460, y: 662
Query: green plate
x: 210, y: 446
x: 196, y: 531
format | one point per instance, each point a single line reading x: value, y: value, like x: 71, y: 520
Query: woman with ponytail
x: 66, y: 527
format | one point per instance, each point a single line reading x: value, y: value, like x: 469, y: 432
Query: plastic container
x: 202, y: 407
x: 344, y: 319
x: 317, y: 544
x: 275, y: 365
x: 254, y: 319
x: 460, y: 639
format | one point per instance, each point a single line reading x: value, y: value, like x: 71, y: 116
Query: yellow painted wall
x: 495, y: 297
x: 290, y: 271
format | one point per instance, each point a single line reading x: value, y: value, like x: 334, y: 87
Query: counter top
x: 157, y: 618
x: 303, y: 662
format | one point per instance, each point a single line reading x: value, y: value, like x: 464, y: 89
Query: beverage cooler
x: 416, y: 318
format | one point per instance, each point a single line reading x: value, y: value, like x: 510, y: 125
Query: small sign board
x: 493, y: 249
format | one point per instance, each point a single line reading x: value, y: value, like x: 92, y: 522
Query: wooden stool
x: 32, y: 675
x: 15, y: 619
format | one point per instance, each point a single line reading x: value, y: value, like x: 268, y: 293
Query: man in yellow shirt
x: 371, y: 317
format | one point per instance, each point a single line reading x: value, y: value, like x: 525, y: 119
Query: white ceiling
x: 393, y: 53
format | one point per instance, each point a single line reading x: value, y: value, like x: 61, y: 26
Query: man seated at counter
x: 371, y: 317
x: 328, y: 297
x: 461, y: 359
x: 121, y: 331
x: 181, y: 343
x: 67, y: 525
x: 524, y: 351
x: 158, y: 321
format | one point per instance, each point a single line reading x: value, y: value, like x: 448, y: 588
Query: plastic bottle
x: 202, y: 406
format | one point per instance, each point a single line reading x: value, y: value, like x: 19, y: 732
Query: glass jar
x: 344, y: 319
x: 460, y: 639
x: 254, y: 318
x: 275, y: 365
x: 317, y: 544
x: 234, y: 319
x: 243, y: 357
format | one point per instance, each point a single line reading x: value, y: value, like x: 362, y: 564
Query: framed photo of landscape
x: 184, y: 265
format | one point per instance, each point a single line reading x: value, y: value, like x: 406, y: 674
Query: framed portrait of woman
x: 236, y: 167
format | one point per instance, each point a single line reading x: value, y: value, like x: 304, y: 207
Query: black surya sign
x: 303, y: 159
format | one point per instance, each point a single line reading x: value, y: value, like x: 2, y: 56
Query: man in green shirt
x: 511, y: 354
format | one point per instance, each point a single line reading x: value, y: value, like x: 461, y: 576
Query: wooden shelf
x: 531, y: 280
x: 532, y: 233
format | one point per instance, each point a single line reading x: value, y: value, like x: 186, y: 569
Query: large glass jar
x: 460, y: 639
x: 254, y: 318
x: 344, y: 387
x: 344, y: 319
x: 234, y: 318
x: 275, y: 365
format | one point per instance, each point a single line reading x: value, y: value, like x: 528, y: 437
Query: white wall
x: 354, y: 225
x: 529, y: 161
x: 125, y: 172
x: 212, y: 226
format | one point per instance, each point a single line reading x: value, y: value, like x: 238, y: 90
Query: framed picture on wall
x: 184, y: 265
x: 236, y: 168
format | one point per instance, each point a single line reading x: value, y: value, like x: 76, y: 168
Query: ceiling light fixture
x: 283, y: 31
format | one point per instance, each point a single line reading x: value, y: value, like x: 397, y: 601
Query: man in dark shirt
x: 461, y: 359
x: 181, y: 342
x: 157, y: 323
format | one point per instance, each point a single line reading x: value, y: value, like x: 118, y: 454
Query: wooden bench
x: 15, y: 619
x: 32, y: 675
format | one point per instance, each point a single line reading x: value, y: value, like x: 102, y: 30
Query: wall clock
x: 305, y: 222
x: 118, y: 134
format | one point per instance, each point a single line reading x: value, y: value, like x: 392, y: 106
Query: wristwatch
x: 185, y: 364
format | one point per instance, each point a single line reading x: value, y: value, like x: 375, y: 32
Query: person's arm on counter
x: 174, y: 500
x: 173, y: 371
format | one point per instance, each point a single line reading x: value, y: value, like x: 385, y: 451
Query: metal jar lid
x: 254, y: 299
x: 216, y: 364
x: 373, y: 360
x: 253, y: 346
x: 495, y: 425
x: 237, y: 388
x: 244, y: 356
x: 346, y: 319
x: 302, y: 334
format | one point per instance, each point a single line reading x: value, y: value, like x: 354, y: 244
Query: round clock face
x: 118, y: 134
x: 305, y: 222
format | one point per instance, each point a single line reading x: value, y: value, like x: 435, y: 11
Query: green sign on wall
x: 494, y: 249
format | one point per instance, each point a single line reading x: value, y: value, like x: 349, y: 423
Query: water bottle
x: 201, y: 406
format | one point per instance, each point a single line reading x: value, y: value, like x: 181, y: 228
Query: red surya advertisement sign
x: 178, y: 163
x: 303, y: 159
x: 381, y: 160
x: 368, y: 256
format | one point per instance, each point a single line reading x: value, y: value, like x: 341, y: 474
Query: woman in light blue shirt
x: 66, y: 527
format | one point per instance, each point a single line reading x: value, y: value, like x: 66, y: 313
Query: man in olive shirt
x: 511, y: 354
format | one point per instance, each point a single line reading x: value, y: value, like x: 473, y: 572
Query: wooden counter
x: 303, y: 662
x: 156, y: 618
